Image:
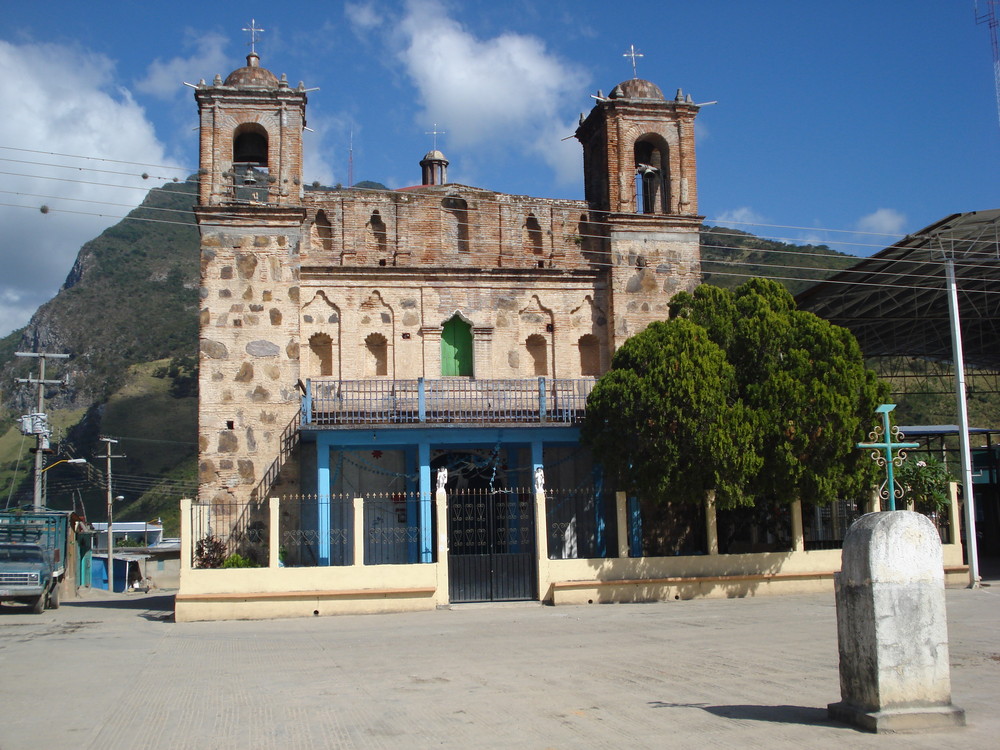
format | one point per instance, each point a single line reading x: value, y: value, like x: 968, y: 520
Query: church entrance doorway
x: 491, y: 531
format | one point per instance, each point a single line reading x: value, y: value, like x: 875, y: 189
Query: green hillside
x: 729, y: 257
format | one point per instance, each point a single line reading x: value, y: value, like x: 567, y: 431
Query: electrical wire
x: 591, y: 263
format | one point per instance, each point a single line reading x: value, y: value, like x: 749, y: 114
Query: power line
x: 812, y: 270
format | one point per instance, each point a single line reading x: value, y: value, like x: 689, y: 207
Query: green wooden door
x: 456, y: 348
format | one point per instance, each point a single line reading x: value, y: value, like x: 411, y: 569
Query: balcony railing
x: 449, y: 400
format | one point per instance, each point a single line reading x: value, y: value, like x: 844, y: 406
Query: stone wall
x: 249, y: 345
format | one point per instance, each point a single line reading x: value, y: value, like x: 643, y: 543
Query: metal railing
x: 581, y: 524
x: 224, y: 530
x: 450, y: 400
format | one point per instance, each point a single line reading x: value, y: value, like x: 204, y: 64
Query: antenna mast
x: 350, y: 161
x: 988, y: 16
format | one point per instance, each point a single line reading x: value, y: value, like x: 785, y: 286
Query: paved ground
x: 116, y: 672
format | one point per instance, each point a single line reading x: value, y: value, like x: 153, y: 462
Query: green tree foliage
x: 666, y: 421
x: 797, y: 398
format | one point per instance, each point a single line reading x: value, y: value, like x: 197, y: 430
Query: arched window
x: 324, y: 231
x: 590, y: 355
x: 377, y: 350
x: 538, y: 350
x: 250, y: 145
x: 376, y: 236
x: 456, y: 347
x: 456, y: 223
x: 532, y: 236
x: 651, y: 175
x: 321, y: 346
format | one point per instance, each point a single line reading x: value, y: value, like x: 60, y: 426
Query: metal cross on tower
x: 435, y: 133
x: 633, y: 54
x: 253, y: 35
x: 893, y: 440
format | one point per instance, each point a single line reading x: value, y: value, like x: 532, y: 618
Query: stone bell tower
x: 641, y: 186
x: 251, y: 137
x: 250, y: 216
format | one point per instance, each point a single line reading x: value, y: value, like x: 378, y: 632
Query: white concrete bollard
x: 892, y: 628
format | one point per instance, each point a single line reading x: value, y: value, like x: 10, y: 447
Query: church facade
x: 355, y: 343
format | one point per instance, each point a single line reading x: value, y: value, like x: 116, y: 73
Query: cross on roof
x: 253, y: 35
x: 633, y: 54
x: 435, y: 133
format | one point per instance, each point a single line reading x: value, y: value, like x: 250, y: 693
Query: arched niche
x: 531, y: 236
x: 538, y: 354
x: 321, y: 352
x: 589, y: 347
x: 455, y: 223
x: 376, y: 237
x: 324, y: 231
x: 377, y: 355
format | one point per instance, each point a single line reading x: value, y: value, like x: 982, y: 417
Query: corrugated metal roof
x: 895, y: 302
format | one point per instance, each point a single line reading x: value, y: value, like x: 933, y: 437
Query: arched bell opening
x: 652, y: 177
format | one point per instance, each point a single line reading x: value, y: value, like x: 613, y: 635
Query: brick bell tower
x: 640, y: 183
x: 251, y: 137
x: 250, y: 216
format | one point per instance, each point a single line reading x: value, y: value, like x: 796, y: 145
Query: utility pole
x: 37, y: 424
x: 108, y: 442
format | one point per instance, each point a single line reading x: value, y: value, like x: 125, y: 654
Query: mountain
x: 131, y: 296
x: 130, y: 299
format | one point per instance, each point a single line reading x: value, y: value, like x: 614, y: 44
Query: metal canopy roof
x: 895, y: 302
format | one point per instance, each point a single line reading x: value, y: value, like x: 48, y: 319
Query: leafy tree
x: 666, y: 423
x: 797, y: 400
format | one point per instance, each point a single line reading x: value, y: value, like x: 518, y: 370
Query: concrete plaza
x: 115, y: 672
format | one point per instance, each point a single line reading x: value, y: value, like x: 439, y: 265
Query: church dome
x: 252, y: 75
x: 636, y: 88
x: 434, y: 155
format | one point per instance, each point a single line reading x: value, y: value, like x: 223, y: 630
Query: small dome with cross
x: 252, y: 76
x: 636, y: 88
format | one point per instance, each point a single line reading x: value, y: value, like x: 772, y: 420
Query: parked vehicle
x: 32, y: 557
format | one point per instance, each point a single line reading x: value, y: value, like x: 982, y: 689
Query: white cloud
x: 164, y: 78
x: 496, y: 93
x: 883, y: 221
x: 316, y: 167
x: 743, y: 215
x: 59, y: 100
x: 363, y: 16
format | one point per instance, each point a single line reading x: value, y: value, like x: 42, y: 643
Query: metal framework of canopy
x: 904, y: 300
x: 895, y: 302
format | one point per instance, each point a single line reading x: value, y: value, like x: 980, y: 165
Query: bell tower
x: 641, y: 186
x: 251, y: 138
x: 251, y: 216
x: 638, y: 152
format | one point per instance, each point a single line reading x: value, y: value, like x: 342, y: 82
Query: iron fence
x: 315, y: 530
x: 230, y: 534
x: 581, y: 524
x: 392, y: 530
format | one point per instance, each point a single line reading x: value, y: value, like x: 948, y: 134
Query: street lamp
x: 65, y: 461
x: 44, y: 502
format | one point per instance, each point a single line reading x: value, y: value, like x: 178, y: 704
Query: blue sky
x: 872, y: 118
